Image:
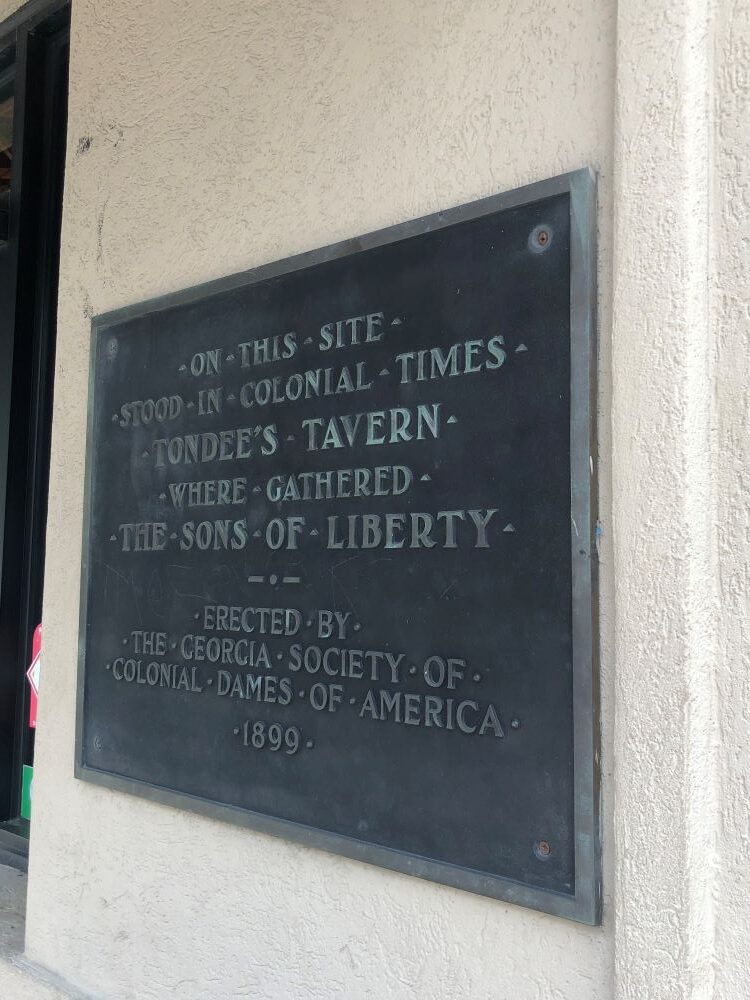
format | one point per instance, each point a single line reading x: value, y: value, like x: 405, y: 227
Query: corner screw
x: 540, y: 238
x: 542, y: 850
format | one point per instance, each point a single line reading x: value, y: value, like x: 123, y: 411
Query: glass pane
x: 6, y: 142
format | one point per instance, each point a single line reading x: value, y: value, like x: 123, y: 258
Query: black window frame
x: 34, y: 48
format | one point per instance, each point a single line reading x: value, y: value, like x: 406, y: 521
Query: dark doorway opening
x: 34, y: 56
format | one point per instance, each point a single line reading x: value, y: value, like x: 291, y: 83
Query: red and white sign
x: 33, y: 674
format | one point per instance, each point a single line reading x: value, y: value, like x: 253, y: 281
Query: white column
x: 663, y: 507
x: 730, y: 303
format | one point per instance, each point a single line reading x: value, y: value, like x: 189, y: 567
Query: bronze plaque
x: 338, y: 572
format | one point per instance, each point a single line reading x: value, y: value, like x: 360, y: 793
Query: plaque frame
x: 585, y: 904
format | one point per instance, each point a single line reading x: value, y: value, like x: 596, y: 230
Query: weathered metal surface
x: 337, y: 581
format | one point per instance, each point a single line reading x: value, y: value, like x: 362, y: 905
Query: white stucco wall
x: 224, y: 135
x: 663, y: 485
x: 680, y: 477
x: 730, y: 300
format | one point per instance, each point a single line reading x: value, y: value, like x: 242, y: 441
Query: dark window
x: 33, y: 105
x: 6, y: 149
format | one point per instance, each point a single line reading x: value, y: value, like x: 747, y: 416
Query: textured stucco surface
x: 730, y: 300
x: 223, y: 135
x: 8, y: 7
x: 663, y: 519
x: 18, y: 980
x: 680, y: 481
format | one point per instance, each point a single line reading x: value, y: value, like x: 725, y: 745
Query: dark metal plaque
x: 337, y: 581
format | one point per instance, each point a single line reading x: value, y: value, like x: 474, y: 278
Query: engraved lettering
x: 266, y: 350
x: 459, y: 359
x: 414, y: 530
x: 143, y: 536
x: 351, y: 332
x: 206, y: 362
x: 432, y: 711
x: 376, y: 427
x: 144, y: 412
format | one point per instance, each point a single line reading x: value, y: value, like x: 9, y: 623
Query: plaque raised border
x: 585, y: 903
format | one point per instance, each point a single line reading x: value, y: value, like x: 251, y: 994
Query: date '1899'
x: 272, y: 737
